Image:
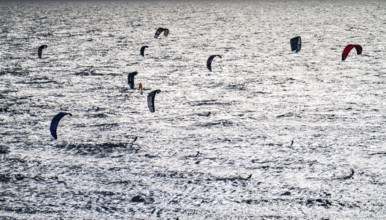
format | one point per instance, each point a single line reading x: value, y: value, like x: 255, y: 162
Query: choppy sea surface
x: 269, y: 134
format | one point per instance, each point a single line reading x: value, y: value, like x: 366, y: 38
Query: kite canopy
x: 150, y: 100
x: 209, y: 62
x: 348, y: 48
x: 160, y: 30
x: 55, y: 122
x: 143, y: 50
x: 40, y: 50
x: 296, y: 44
x: 130, y: 79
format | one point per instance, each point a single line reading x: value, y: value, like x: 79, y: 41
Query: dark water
x: 308, y: 127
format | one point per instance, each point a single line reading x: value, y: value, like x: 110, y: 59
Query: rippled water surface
x: 267, y: 134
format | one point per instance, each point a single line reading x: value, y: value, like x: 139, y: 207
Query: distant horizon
x: 181, y: 1
x: 167, y: 0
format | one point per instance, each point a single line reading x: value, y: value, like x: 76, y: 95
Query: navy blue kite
x: 55, y: 122
x: 40, y: 50
x: 150, y: 100
x: 296, y: 44
x: 143, y: 50
x: 130, y: 79
x: 209, y: 62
